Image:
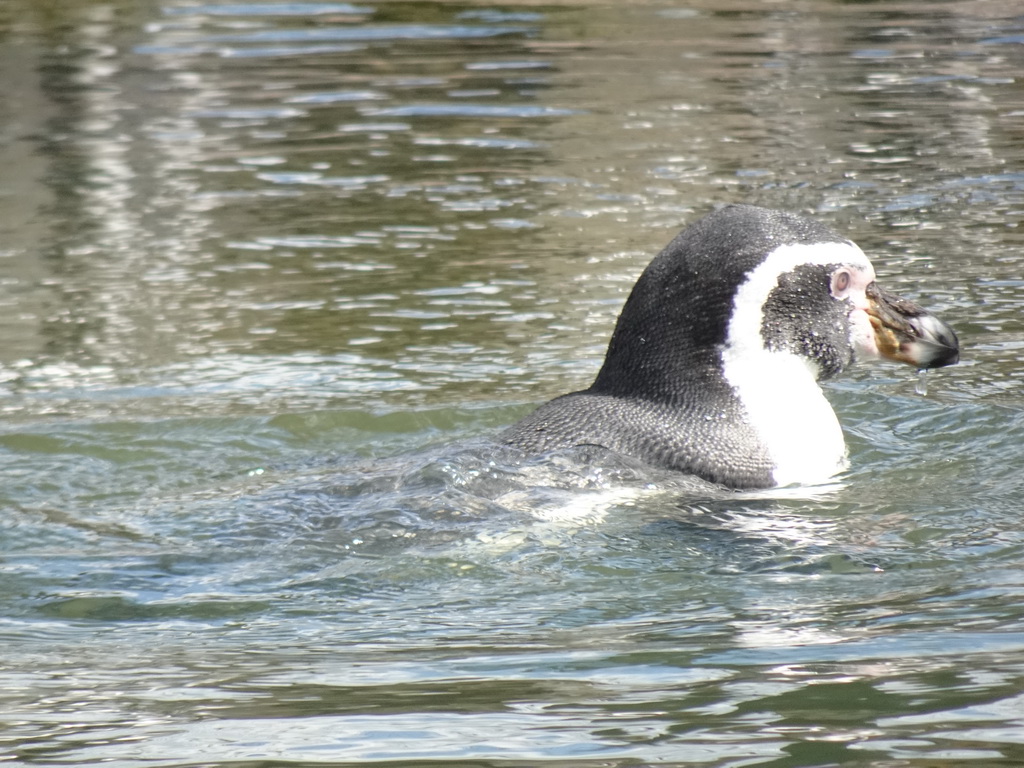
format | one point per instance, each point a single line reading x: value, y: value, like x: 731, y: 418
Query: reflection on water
x: 271, y: 272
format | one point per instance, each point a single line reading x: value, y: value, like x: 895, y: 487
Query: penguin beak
x: 908, y: 333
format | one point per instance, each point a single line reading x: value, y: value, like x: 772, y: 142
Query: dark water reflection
x: 265, y: 268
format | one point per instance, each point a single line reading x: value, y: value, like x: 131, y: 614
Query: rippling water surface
x: 270, y: 274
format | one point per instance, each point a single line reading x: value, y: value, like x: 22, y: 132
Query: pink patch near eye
x: 840, y: 282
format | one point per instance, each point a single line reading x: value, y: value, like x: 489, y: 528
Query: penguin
x: 714, y: 365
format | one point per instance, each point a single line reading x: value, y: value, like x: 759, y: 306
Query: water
x: 271, y: 273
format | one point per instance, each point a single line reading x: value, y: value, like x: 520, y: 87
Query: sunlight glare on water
x: 272, y: 273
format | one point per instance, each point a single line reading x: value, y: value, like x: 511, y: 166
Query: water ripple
x: 268, y: 9
x: 468, y: 110
x: 368, y: 32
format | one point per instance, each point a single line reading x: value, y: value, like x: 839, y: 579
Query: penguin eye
x: 841, y: 280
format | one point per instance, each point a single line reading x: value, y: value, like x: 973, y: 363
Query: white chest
x: 790, y: 414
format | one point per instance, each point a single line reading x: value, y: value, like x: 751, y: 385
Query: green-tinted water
x: 268, y: 273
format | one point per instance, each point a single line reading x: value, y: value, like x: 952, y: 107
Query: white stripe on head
x: 779, y: 389
x: 748, y: 305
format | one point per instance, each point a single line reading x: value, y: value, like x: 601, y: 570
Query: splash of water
x: 922, y: 382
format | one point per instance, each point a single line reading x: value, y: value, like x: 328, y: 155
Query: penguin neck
x: 789, y: 413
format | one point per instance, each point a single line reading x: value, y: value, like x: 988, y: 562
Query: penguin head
x: 745, y: 283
